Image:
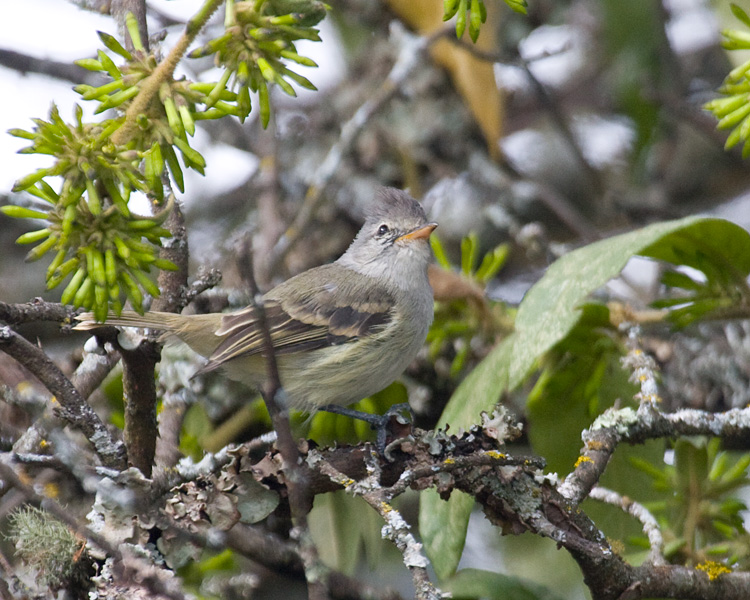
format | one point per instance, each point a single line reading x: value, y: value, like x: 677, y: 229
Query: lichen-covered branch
x: 640, y: 512
x: 396, y: 529
x: 36, y: 310
x: 129, y: 570
x: 74, y: 408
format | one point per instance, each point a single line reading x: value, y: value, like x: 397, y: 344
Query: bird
x: 340, y: 332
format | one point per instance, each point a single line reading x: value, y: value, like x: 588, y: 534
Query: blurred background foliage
x: 577, y: 121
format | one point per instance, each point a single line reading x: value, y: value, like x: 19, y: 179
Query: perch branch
x: 74, y: 408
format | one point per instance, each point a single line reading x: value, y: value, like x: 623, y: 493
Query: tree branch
x: 74, y: 408
x: 36, y: 310
x: 273, y: 393
x: 396, y: 528
x: 24, y: 63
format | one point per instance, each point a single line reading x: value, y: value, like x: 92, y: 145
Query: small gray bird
x: 341, y: 331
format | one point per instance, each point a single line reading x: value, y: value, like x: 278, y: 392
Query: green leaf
x: 112, y: 43
x: 443, y: 524
x: 443, y: 527
x: 706, y: 245
x: 476, y: 583
x: 339, y: 523
x: 21, y: 212
x: 676, y: 279
x: 481, y: 389
x: 551, y: 307
x: 254, y: 501
x: 492, y: 263
x: 469, y: 251
x: 570, y: 392
x: 439, y: 251
x: 740, y: 14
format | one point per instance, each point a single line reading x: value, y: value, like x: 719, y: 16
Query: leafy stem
x: 163, y: 72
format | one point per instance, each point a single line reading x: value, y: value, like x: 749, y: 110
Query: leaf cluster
x: 460, y: 321
x: 168, y: 120
x: 711, y: 291
x: 475, y: 13
x: 258, y: 38
x: 701, y: 516
x: 103, y: 251
x: 106, y: 250
x: 733, y: 108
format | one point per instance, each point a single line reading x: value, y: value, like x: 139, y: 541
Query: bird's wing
x: 311, y: 311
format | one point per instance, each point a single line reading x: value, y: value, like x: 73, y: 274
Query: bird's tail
x: 154, y: 320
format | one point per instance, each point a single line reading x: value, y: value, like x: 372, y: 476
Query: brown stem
x: 163, y: 72
x: 299, y: 499
x: 139, y: 392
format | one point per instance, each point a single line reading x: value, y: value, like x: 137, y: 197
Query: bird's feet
x: 396, y: 421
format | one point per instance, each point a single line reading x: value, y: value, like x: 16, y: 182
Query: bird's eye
x: 383, y: 229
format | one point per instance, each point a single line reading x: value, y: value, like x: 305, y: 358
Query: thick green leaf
x: 582, y: 377
x: 443, y: 524
x: 476, y: 583
x: 480, y: 390
x: 707, y: 245
x: 547, y: 315
x: 443, y: 528
x: 550, y: 309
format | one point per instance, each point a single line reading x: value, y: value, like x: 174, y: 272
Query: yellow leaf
x: 474, y: 78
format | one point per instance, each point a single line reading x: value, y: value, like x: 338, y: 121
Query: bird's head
x: 394, y: 241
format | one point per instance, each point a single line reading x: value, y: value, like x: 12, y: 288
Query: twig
x: 272, y: 393
x: 565, y: 210
x: 642, y: 365
x: 408, y: 60
x: 36, y: 310
x: 205, y: 280
x: 396, y: 528
x: 640, y: 512
x: 24, y: 63
x: 74, y: 408
x: 561, y: 123
x: 92, y: 371
x: 601, y: 441
x: 42, y: 460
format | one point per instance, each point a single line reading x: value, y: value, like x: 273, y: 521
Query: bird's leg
x: 401, y: 412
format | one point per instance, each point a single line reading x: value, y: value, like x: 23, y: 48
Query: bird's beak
x: 422, y: 233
